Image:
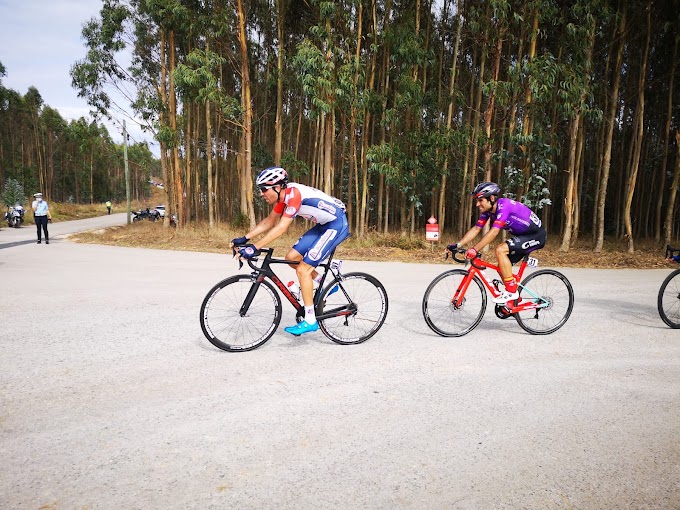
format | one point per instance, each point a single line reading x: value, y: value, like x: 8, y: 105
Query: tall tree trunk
x: 667, y: 134
x: 670, y: 207
x: 638, y: 135
x: 209, y: 159
x: 610, y: 121
x: 449, y: 118
x: 279, y: 84
x: 177, y: 186
x: 526, y: 119
x: 488, y: 115
x: 247, y: 135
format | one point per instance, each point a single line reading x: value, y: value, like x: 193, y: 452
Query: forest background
x: 396, y: 107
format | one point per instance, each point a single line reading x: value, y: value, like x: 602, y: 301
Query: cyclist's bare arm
x: 275, y: 231
x: 469, y: 235
x: 487, y: 239
x: 264, y: 225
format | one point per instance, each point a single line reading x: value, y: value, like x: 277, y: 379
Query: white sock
x: 310, y: 317
x: 318, y: 278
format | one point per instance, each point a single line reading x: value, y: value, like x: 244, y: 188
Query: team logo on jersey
x: 290, y: 210
x: 325, y: 207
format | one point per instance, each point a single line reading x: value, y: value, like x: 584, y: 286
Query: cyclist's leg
x: 316, y: 245
x: 512, y: 251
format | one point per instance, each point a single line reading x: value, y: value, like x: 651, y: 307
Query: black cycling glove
x: 240, y: 241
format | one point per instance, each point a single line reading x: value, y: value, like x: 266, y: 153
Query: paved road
x: 27, y: 234
x: 111, y: 398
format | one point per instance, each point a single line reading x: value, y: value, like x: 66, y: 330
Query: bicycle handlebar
x: 465, y: 260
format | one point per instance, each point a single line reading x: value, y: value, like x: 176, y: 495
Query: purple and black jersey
x: 512, y: 216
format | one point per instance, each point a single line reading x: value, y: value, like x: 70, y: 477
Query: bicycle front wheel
x: 360, y: 302
x: 669, y: 300
x: 442, y: 316
x: 552, y: 293
x: 224, y: 325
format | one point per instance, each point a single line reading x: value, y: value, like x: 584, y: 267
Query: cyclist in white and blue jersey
x: 290, y: 200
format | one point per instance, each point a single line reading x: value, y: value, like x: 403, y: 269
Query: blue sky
x: 39, y: 42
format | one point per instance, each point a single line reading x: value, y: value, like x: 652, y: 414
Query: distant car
x: 161, y: 210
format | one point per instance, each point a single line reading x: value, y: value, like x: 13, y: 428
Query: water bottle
x: 294, y: 289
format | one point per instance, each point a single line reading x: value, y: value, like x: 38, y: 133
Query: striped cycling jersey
x: 310, y: 203
x: 512, y: 216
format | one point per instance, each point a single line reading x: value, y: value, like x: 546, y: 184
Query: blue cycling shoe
x: 303, y: 327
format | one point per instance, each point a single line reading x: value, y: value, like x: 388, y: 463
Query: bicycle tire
x: 438, y: 311
x: 369, y: 297
x: 221, y: 320
x: 668, y: 301
x: 554, y: 287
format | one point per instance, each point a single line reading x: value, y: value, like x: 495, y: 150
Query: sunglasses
x: 264, y: 188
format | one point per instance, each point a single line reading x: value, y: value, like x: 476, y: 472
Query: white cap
x: 37, y: 195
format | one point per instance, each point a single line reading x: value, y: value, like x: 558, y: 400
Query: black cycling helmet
x: 486, y: 190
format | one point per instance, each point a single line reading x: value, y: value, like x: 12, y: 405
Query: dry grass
x: 66, y: 212
x: 378, y: 247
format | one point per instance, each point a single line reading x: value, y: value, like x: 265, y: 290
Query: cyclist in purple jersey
x: 516, y: 218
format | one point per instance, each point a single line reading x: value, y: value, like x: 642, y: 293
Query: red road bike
x: 455, y: 302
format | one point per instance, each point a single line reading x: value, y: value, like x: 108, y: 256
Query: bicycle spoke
x: 221, y: 319
x: 361, y: 291
x: 554, y: 297
x: 445, y: 318
x: 668, y: 302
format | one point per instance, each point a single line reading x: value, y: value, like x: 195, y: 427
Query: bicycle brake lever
x: 240, y: 262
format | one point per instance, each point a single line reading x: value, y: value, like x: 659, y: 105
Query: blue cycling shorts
x: 320, y: 240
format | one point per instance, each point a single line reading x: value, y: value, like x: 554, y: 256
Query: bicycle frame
x: 265, y: 271
x: 477, y: 265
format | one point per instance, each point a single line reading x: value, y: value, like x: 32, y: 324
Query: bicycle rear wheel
x: 221, y: 319
x: 361, y: 303
x: 669, y: 300
x: 439, y: 312
x: 551, y: 289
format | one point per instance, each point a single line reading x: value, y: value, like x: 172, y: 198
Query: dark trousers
x: 109, y: 210
x: 41, y: 221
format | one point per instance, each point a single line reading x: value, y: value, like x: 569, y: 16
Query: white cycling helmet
x: 272, y: 176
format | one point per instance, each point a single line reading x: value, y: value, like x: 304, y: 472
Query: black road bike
x: 668, y: 301
x: 242, y: 312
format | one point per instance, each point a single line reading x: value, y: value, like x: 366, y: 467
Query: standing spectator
x: 41, y: 213
x: 108, y: 206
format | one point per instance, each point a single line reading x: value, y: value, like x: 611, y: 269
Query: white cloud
x: 39, y: 42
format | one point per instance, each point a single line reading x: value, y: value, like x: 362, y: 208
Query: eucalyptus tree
x: 317, y: 60
x: 576, y: 93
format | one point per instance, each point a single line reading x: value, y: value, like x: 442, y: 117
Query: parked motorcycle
x: 141, y: 214
x: 14, y: 216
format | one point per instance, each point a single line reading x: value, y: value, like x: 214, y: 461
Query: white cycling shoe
x: 505, y: 297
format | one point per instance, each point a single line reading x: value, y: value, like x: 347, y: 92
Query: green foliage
x: 261, y: 158
x: 296, y: 168
x: 13, y: 193
x: 240, y: 221
x: 536, y: 192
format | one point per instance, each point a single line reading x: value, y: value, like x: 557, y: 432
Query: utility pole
x: 127, y: 172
